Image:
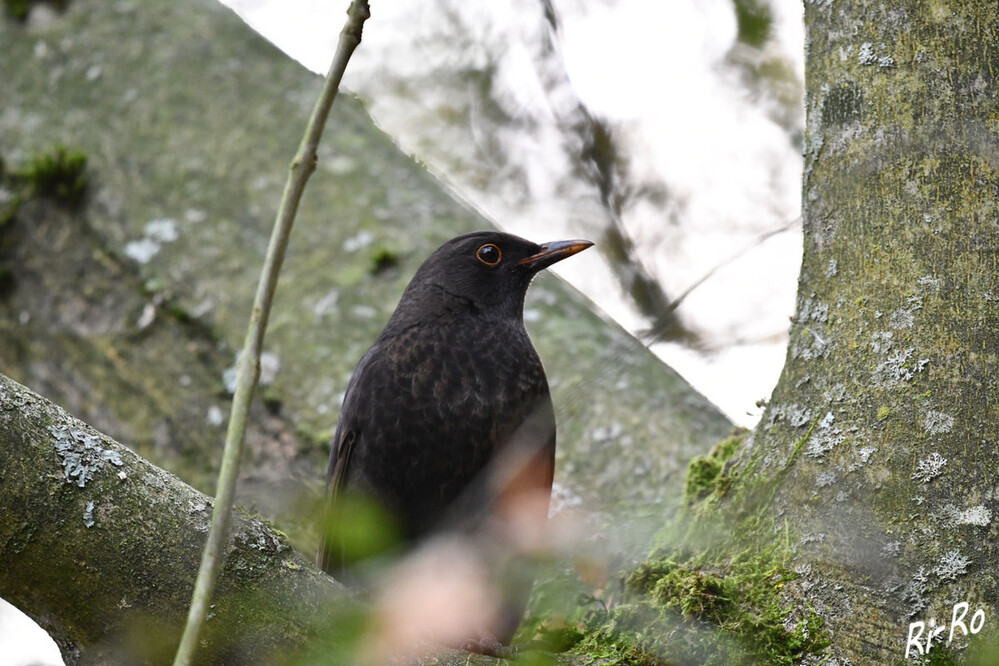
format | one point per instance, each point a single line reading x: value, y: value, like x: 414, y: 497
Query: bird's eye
x: 489, y: 254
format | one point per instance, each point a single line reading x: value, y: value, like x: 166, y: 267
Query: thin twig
x: 653, y: 335
x: 301, y: 168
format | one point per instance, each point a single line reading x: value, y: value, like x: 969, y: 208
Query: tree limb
x: 100, y: 547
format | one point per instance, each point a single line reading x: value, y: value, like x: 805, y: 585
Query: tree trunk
x: 881, y: 434
x: 101, y: 548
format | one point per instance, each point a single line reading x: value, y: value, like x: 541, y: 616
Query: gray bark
x: 101, y: 548
x: 893, y: 351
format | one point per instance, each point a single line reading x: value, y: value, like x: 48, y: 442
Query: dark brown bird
x: 451, y: 387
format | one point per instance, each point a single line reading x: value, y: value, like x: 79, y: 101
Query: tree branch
x: 99, y: 547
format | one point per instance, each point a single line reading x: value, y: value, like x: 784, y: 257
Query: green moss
x: 704, y: 472
x: 16, y: 9
x: 383, y: 259
x: 942, y: 656
x: 883, y: 412
x: 733, y: 601
x: 721, y: 604
x: 60, y: 174
x: 712, y: 593
x: 984, y: 649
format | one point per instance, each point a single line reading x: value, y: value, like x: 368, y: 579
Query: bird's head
x: 488, y: 271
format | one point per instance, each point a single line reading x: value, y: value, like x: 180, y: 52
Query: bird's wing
x: 330, y: 555
x: 336, y: 473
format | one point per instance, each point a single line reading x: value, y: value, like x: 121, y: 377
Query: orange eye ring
x: 489, y: 254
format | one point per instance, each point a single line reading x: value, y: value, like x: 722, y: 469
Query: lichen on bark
x: 895, y: 337
x: 104, y: 558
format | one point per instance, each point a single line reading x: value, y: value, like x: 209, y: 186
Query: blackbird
x: 447, y: 421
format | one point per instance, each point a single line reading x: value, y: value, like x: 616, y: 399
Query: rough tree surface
x: 102, y: 548
x: 883, y: 427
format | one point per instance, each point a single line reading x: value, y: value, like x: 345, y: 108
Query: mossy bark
x: 100, y: 547
x: 892, y: 357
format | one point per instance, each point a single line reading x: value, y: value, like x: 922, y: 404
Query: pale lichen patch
x: 929, y: 468
x: 929, y: 283
x: 916, y: 590
x: 81, y: 453
x: 901, y: 318
x: 824, y: 479
x: 864, y: 454
x: 835, y: 393
x: 951, y: 565
x: 891, y: 549
x: 896, y: 368
x: 978, y: 515
x: 937, y: 423
x: 866, y: 55
x: 825, y: 438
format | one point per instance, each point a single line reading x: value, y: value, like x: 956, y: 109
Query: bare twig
x: 655, y: 334
x: 301, y: 168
